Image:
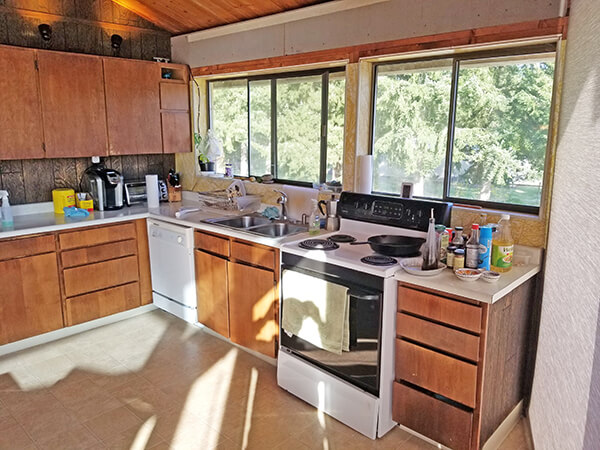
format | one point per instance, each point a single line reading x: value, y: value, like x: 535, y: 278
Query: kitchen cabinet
x: 175, y: 109
x: 20, y: 114
x: 132, y: 106
x: 30, y: 302
x: 105, y: 270
x: 461, y: 366
x: 73, y: 104
x: 236, y: 284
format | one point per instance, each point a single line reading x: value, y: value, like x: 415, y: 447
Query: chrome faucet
x: 283, y: 202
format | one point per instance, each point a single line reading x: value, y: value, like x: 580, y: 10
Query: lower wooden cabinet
x: 252, y: 300
x: 101, y: 303
x: 211, y: 291
x: 30, y: 303
x: 236, y: 285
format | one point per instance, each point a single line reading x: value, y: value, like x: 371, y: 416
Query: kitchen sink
x: 279, y: 229
x: 259, y: 225
x: 241, y: 222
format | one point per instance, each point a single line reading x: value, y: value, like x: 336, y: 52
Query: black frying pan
x: 392, y: 245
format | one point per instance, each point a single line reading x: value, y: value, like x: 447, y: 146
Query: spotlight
x: 116, y: 41
x: 45, y: 31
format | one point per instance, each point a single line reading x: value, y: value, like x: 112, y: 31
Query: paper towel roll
x: 364, y: 170
x: 152, y: 190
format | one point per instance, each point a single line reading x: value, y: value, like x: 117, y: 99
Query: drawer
x: 441, y: 309
x: 438, y: 336
x: 102, y: 303
x: 211, y: 243
x: 104, y: 252
x: 102, y: 275
x: 253, y: 254
x: 96, y: 236
x: 431, y: 417
x: 435, y: 372
x: 29, y: 246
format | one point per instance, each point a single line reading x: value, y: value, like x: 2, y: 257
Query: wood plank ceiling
x: 184, y: 16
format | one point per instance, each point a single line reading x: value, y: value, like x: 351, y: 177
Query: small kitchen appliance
x: 135, y: 192
x: 353, y: 385
x: 106, y: 187
x: 329, y: 210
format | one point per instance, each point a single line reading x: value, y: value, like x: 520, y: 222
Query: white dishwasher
x: 172, y: 268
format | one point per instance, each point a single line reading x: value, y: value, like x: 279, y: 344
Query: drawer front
x: 102, y: 303
x: 252, y: 254
x: 96, y: 236
x: 211, y: 243
x: 102, y: 275
x: 431, y: 417
x: 20, y: 247
x: 438, y: 336
x: 435, y: 372
x: 104, y: 252
x: 452, y: 312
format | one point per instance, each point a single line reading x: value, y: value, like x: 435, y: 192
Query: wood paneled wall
x: 32, y: 180
x: 81, y: 26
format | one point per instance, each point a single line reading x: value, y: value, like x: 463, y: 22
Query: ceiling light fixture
x: 45, y: 31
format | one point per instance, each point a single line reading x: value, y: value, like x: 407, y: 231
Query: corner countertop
x: 40, y: 218
x: 478, y: 290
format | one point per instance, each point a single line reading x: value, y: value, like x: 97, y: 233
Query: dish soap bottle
x: 7, y: 217
x: 314, y: 219
x: 502, y: 246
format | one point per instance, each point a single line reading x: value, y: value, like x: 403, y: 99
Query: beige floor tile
x: 517, y: 439
x: 108, y: 426
x: 15, y: 437
x: 6, y: 418
x: 75, y: 438
x: 85, y: 400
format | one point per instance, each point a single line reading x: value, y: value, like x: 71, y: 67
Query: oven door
x: 359, y: 365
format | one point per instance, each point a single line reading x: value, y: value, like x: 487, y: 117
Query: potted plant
x: 209, y: 149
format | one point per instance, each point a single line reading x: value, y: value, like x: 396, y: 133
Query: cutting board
x: 299, y: 200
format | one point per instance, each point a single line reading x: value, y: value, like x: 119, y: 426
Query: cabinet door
x: 20, y: 116
x: 132, y: 106
x: 252, y: 300
x: 30, y: 303
x: 211, y: 291
x: 176, y: 130
x: 73, y: 106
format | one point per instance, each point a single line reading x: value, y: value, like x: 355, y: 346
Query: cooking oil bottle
x: 502, y: 246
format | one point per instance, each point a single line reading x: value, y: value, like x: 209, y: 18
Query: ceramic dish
x: 413, y: 266
x: 468, y: 274
x: 490, y: 276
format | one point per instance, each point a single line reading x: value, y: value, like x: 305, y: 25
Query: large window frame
x: 550, y: 49
x: 324, y: 73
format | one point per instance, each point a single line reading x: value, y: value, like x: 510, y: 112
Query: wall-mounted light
x: 115, y: 42
x: 45, y: 31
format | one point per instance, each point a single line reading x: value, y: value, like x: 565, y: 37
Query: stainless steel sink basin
x: 279, y: 229
x: 241, y: 221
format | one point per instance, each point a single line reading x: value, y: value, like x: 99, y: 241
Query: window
x: 290, y: 125
x: 470, y: 129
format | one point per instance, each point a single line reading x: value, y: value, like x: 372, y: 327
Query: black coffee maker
x: 106, y: 187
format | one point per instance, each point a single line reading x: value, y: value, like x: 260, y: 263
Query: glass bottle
x: 431, y: 253
x: 458, y: 239
x: 314, y: 220
x: 502, y: 246
x: 472, y: 248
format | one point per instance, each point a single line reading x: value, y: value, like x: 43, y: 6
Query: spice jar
x: 450, y: 255
x: 459, y: 259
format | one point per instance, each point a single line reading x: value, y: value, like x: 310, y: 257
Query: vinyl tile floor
x: 155, y: 382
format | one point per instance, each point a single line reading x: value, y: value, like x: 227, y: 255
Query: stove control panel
x: 395, y: 211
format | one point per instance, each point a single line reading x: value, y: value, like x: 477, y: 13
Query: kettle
x: 329, y: 209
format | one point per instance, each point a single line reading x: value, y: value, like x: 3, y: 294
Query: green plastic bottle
x: 503, y: 246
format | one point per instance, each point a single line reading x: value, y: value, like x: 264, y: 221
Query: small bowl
x: 467, y: 274
x: 490, y: 276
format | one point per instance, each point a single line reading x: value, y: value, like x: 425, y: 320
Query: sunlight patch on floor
x: 250, y: 406
x: 143, y: 435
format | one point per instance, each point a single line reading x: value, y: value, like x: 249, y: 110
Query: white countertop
x: 479, y: 290
x: 40, y: 218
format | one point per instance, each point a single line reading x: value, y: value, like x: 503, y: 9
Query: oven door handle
x: 365, y: 297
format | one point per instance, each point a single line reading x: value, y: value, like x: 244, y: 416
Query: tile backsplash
x: 32, y: 181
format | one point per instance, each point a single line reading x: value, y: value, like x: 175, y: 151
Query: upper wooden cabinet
x: 132, y: 106
x: 21, y: 130
x: 73, y: 106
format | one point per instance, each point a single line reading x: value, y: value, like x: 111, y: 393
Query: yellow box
x: 63, y: 197
x: 86, y: 202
